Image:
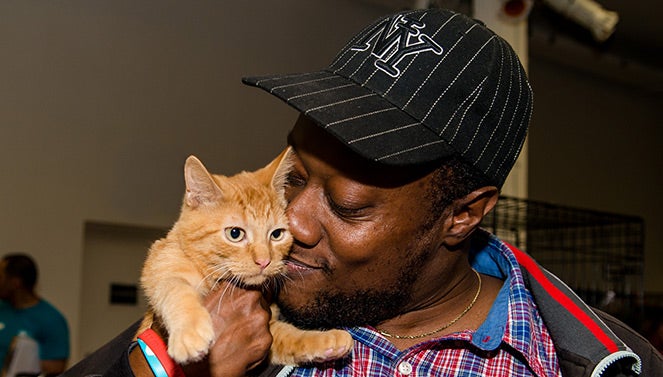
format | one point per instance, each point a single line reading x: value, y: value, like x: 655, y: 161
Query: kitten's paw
x: 335, y: 345
x: 192, y: 341
x: 316, y: 347
x: 296, y: 346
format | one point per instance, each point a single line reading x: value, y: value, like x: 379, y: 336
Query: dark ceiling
x: 638, y: 36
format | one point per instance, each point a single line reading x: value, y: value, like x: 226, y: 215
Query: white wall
x: 595, y: 143
x: 101, y: 102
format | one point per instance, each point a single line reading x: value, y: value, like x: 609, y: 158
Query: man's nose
x: 304, y: 217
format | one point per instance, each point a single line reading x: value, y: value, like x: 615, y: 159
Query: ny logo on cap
x: 395, y: 39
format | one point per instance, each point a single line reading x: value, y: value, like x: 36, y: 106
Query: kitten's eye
x: 278, y: 234
x: 235, y: 234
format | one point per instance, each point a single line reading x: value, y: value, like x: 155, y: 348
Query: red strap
x: 154, y: 341
x: 526, y: 261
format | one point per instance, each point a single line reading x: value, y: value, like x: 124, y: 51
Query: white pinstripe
x: 340, y: 102
x: 492, y: 102
x: 473, y: 96
x: 259, y: 82
x: 360, y: 116
x: 384, y: 132
x: 330, y: 77
x: 520, y: 92
x: 514, y: 149
x: 349, y: 60
x: 409, y: 150
x: 320, y: 91
x: 436, y: 67
x: 456, y: 78
x: 508, y: 98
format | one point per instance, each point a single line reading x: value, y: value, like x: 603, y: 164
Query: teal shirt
x: 42, y: 322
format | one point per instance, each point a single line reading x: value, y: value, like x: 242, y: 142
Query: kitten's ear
x: 200, y: 186
x: 277, y: 170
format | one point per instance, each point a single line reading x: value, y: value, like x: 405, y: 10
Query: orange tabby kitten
x: 231, y: 228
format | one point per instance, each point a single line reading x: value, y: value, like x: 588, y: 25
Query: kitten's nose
x: 263, y: 263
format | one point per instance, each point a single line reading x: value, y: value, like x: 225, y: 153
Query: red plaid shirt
x: 513, y: 340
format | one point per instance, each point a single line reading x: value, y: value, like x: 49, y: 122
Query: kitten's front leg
x: 189, y: 325
x: 296, y: 346
x: 179, y: 307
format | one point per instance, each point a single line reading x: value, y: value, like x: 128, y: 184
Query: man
x: 400, y: 151
x: 22, y: 311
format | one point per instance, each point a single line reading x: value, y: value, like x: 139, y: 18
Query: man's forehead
x: 309, y: 138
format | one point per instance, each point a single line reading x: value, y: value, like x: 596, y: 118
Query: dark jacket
x: 589, y: 342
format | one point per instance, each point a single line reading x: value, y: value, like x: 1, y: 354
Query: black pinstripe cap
x: 416, y: 87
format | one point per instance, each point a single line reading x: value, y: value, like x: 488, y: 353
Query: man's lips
x: 298, y: 266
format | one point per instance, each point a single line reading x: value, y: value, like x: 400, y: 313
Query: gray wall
x: 596, y: 139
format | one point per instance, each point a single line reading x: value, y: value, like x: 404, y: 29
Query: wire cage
x: 599, y: 255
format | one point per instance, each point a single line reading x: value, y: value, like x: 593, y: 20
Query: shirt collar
x: 486, y: 257
x: 491, y: 256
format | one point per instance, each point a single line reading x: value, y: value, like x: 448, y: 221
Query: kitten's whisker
x: 285, y: 276
x: 301, y: 276
x: 235, y: 282
x: 216, y: 284
x: 200, y: 283
x: 210, y: 268
x: 225, y: 290
x: 280, y: 280
x: 218, y: 304
x: 214, y: 270
x: 220, y: 278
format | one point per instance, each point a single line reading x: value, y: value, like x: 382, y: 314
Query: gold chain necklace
x: 474, y: 300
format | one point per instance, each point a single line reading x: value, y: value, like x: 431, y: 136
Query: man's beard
x: 334, y: 309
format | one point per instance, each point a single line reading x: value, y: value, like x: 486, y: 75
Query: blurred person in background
x: 23, y: 312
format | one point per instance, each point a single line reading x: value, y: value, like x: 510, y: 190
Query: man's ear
x: 468, y: 213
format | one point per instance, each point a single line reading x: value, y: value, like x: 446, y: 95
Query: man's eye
x: 343, y: 211
x: 295, y: 180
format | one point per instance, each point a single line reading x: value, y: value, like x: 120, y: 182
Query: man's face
x: 5, y: 281
x: 364, y: 239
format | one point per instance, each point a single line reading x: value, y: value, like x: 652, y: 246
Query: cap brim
x: 360, y: 118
